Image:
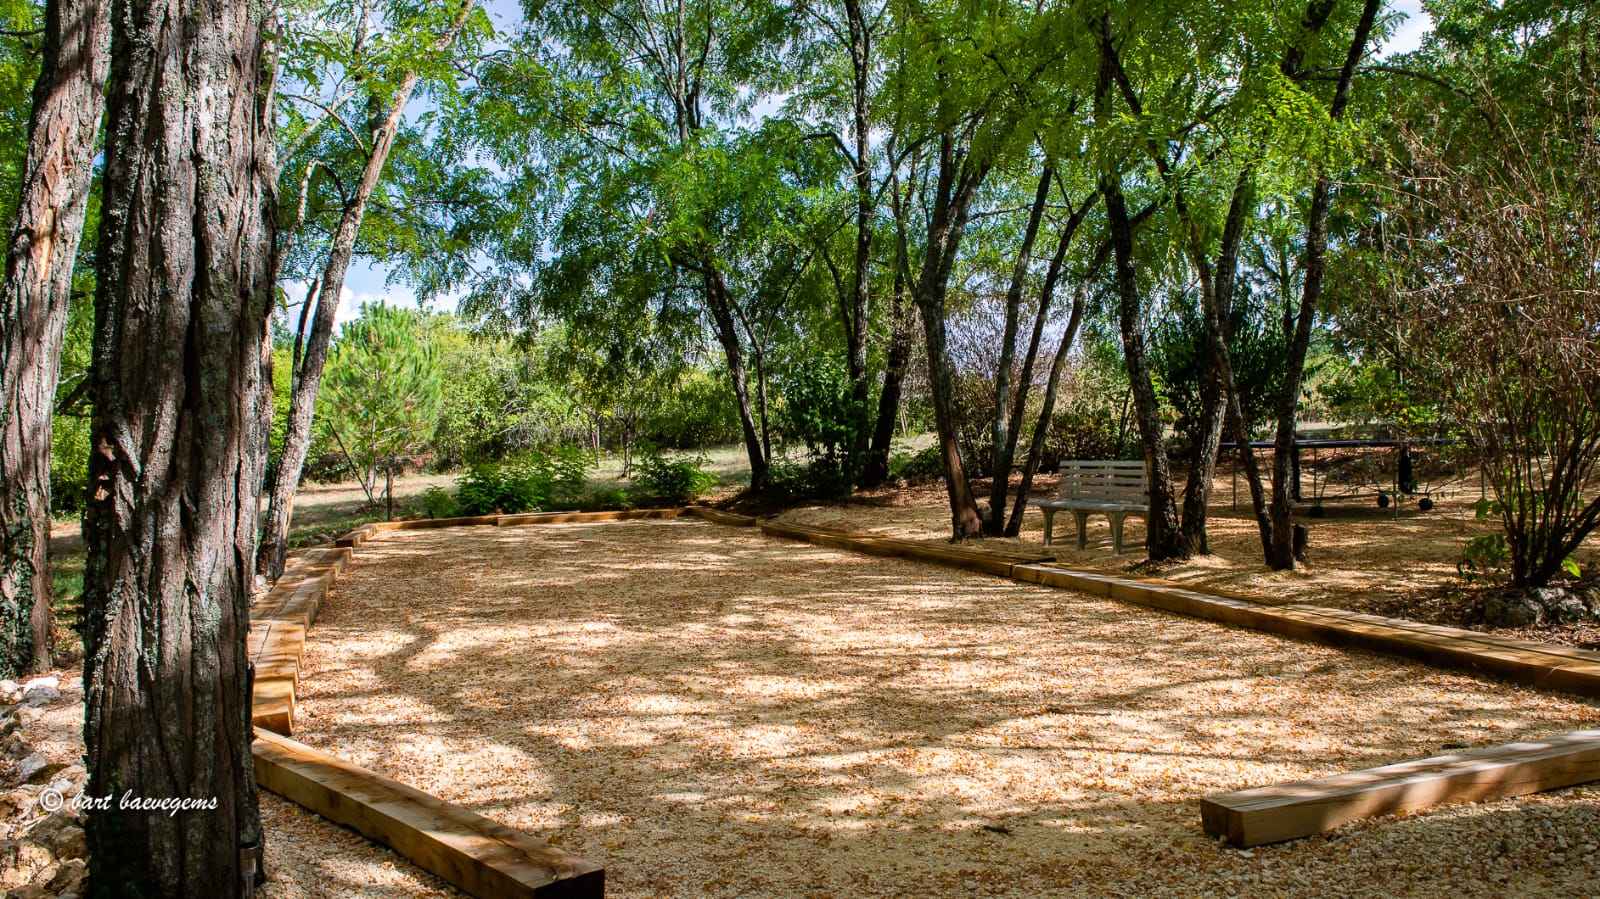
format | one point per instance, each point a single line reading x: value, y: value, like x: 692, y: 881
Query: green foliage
x: 1178, y: 356
x: 438, y: 503
x: 69, y: 465
x: 699, y: 411
x: 1487, y: 556
x: 821, y: 412
x: 673, y: 480
x: 921, y: 467
x: 606, y: 499
x: 527, y: 482
x: 381, y: 390
x: 1085, y: 430
x: 503, y: 487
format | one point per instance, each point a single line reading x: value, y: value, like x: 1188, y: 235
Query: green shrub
x: 820, y: 410
x: 438, y: 503
x: 504, y: 487
x: 921, y: 467
x: 606, y: 499
x: 569, y: 472
x: 675, y: 480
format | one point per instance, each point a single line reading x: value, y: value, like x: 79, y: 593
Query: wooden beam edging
x: 483, y: 857
x: 1527, y: 662
x: 717, y: 516
x: 1289, y: 811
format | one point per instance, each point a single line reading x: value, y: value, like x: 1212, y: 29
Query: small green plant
x: 606, y: 499
x: 569, y: 471
x: 438, y: 503
x: 673, y: 480
x: 918, y: 467
x: 1488, y: 556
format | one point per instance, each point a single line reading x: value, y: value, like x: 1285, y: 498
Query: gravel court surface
x: 710, y: 712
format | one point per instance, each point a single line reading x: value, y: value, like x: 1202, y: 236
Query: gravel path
x: 708, y: 713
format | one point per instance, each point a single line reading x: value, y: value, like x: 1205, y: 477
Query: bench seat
x: 1117, y: 489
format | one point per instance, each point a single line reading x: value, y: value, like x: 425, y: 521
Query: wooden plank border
x: 479, y: 855
x: 1289, y: 811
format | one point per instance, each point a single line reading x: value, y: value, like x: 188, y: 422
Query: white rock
x: 31, y: 765
x: 53, y: 683
x: 38, y: 696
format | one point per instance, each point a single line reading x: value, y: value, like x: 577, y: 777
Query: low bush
x: 672, y: 480
x: 438, y: 503
x: 920, y: 467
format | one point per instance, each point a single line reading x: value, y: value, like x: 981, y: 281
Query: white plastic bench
x: 1118, y: 489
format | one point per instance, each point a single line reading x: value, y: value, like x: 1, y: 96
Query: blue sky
x: 367, y: 282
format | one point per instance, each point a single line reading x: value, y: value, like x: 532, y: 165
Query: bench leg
x: 1116, y: 530
x: 1049, y: 522
x: 1083, y: 523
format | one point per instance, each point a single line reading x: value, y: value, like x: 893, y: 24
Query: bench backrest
x: 1104, y: 482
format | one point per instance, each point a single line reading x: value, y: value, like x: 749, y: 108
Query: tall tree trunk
x: 1003, y: 438
x: 308, y: 373
x: 38, y: 279
x: 902, y: 327
x: 1216, y: 297
x: 902, y: 330
x: 720, y: 302
x: 858, y: 325
x: 1163, y: 538
x: 182, y: 391
x: 958, y: 180
x: 1280, y: 552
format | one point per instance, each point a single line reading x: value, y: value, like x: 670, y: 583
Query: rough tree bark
x: 958, y: 179
x: 1164, y: 539
x: 182, y: 403
x: 858, y: 323
x: 902, y: 331
x: 1002, y: 436
x: 33, y: 313
x: 307, y: 376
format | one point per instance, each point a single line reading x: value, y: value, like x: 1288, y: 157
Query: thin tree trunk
x: 308, y: 375
x: 720, y: 302
x: 856, y: 329
x: 1003, y: 438
x: 1216, y: 297
x: 1041, y: 426
x: 958, y: 179
x: 1281, y: 553
x: 901, y: 333
x: 1163, y: 539
x: 43, y: 245
x: 183, y: 403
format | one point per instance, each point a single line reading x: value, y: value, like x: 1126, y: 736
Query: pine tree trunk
x: 38, y: 279
x: 182, y: 387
